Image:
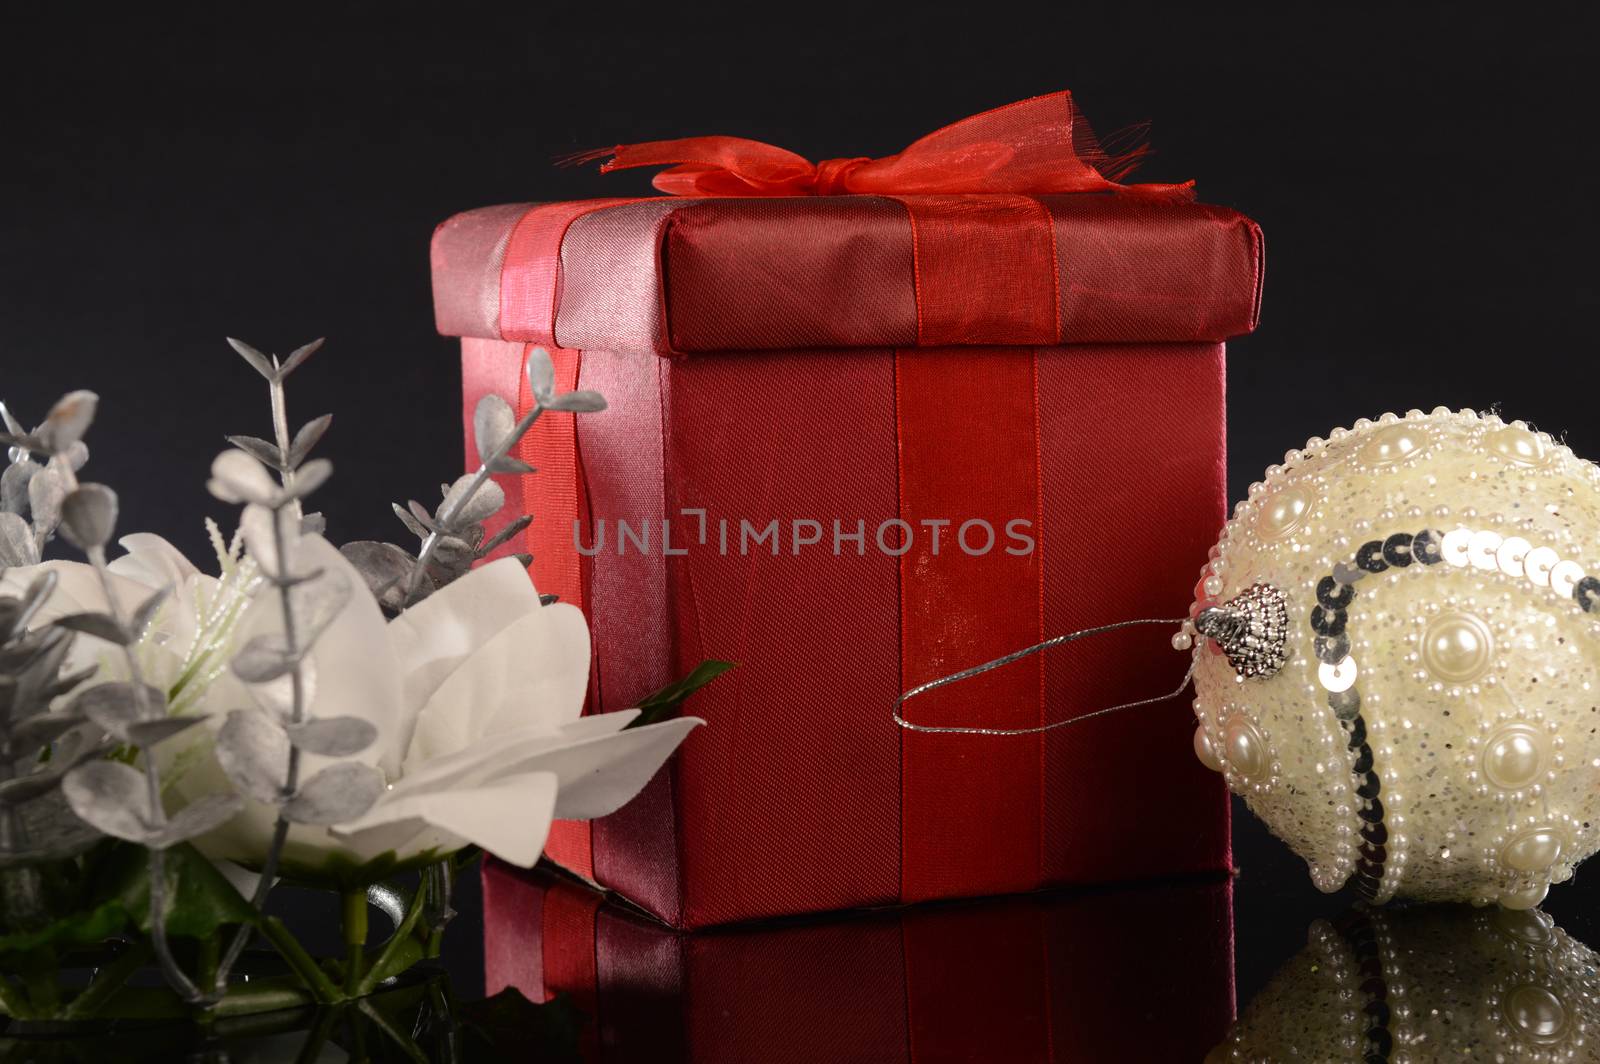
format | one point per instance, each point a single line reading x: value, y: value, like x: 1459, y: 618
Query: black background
x: 1425, y: 179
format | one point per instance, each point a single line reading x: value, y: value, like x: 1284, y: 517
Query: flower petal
x: 357, y: 672
x: 505, y: 753
x: 599, y: 768
x: 533, y: 673
x: 152, y: 561
x: 435, y: 636
x: 509, y: 818
x: 601, y: 776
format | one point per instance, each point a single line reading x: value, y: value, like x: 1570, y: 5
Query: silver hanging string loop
x: 1018, y: 655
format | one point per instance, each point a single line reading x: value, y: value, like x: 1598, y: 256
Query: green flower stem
x: 404, y: 1042
x: 355, y: 939
x: 315, y: 979
x: 393, y: 949
x: 317, y: 1037
x: 107, y: 981
x: 252, y: 999
x: 13, y: 1001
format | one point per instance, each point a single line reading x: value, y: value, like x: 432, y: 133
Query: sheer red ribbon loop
x: 1034, y: 147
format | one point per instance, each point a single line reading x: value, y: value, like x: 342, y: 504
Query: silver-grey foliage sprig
x: 31, y: 491
x: 453, y: 535
x: 260, y: 748
x: 113, y: 797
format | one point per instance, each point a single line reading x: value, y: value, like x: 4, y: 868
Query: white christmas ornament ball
x: 1396, y: 662
x: 1423, y: 985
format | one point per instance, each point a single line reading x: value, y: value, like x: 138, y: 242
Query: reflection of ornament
x: 1435, y: 983
x: 1426, y: 723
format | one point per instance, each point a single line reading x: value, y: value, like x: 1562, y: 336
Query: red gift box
x: 857, y: 442
x: 1131, y: 974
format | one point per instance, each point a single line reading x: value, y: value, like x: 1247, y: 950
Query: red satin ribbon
x: 554, y: 497
x: 1033, y: 147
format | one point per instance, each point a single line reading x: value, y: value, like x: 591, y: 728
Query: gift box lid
x: 688, y: 275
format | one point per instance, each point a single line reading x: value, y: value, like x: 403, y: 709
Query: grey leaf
x: 413, y: 526
x: 199, y: 817
x: 12, y: 425
x: 76, y: 456
x: 14, y: 485
x: 577, y: 402
x: 147, y: 733
x: 89, y: 516
x: 14, y: 792
x: 237, y: 477
x: 313, y: 525
x: 263, y: 451
x: 466, y: 505
x: 492, y: 422
x: 100, y: 625
x: 46, y: 492
x: 262, y: 364
x: 67, y: 421
x: 338, y: 793
x: 541, y: 374
x: 254, y: 753
x: 53, y: 831
x: 311, y: 476
x: 333, y: 736
x: 453, y: 553
x: 116, y: 706
x: 307, y: 437
x: 66, y: 681
x: 317, y: 603
x: 42, y: 729
x: 145, y: 615
x: 111, y: 796
x: 424, y: 518
x: 380, y: 564
x: 17, y: 547
x: 276, y: 697
x: 44, y: 652
x: 298, y: 356
x: 33, y: 599
x: 259, y: 529
x: 509, y: 465
x: 506, y: 534
x: 263, y: 659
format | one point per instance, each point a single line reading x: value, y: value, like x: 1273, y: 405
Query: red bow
x: 1033, y: 147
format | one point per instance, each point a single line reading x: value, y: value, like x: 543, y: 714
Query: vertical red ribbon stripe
x: 554, y: 497
x: 985, y: 270
x: 970, y: 806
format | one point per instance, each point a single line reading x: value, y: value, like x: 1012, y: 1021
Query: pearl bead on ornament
x: 1513, y: 757
x: 1428, y: 680
x: 1536, y: 1013
x: 1426, y: 984
x: 1457, y: 648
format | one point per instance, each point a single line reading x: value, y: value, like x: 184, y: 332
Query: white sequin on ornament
x: 1434, y: 730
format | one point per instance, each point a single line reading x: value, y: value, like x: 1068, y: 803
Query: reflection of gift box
x: 1132, y: 974
x: 892, y: 437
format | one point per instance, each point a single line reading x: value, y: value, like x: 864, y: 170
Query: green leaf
x: 86, y: 927
x: 199, y: 898
x: 663, y: 703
